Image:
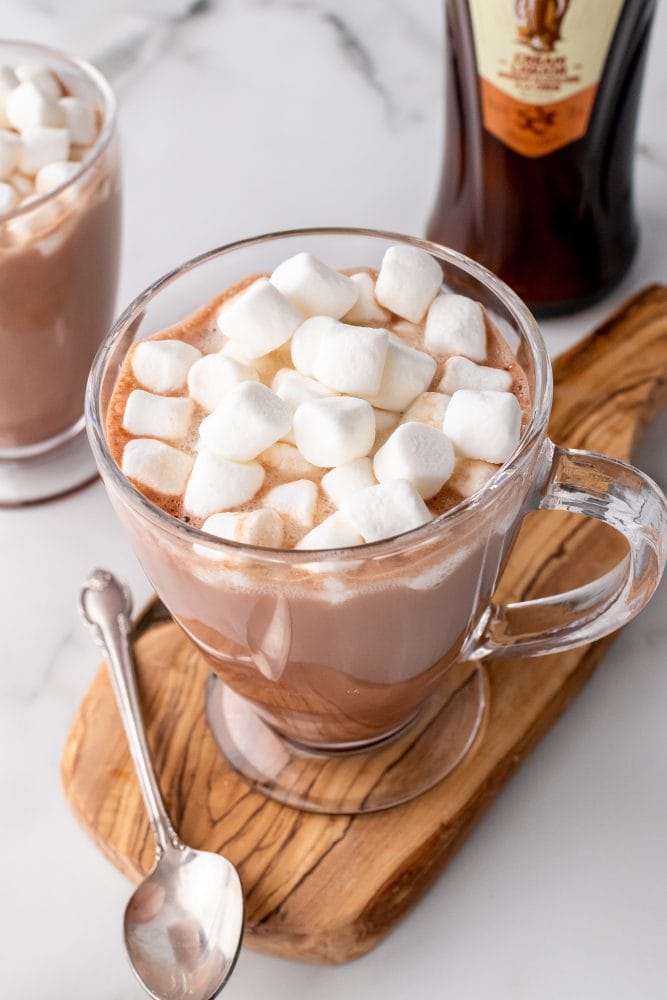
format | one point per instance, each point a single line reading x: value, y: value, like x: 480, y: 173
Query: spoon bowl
x: 184, y: 923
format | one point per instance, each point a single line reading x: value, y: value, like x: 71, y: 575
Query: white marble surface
x: 240, y: 117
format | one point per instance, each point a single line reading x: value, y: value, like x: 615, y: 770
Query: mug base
x: 47, y: 475
x: 365, y: 779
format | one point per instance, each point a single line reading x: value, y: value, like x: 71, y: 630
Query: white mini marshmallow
x: 295, y: 388
x: 253, y: 527
x: 335, y: 532
x: 385, y: 422
x: 408, y: 281
x: 216, y: 484
x: 8, y: 198
x: 260, y: 319
x: 22, y: 185
x: 469, y: 476
x: 212, y: 377
x: 288, y: 460
x: 249, y: 419
x: 407, y: 373
x: 79, y: 119
x: 366, y: 310
x: 418, y: 453
x: 460, y: 373
x: 386, y: 510
x: 344, y: 480
x: 42, y: 145
x: 54, y: 174
x: 163, y: 365
x: 484, y: 425
x: 306, y: 341
x: 26, y: 107
x: 296, y: 500
x: 351, y: 359
x: 36, y: 221
x: 334, y: 431
x: 314, y: 287
x: 10, y: 153
x: 41, y: 77
x: 8, y: 82
x: 147, y: 415
x: 455, y: 325
x: 157, y: 465
x: 429, y: 408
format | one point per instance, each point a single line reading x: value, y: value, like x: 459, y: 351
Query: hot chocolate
x: 264, y: 420
x: 59, y: 244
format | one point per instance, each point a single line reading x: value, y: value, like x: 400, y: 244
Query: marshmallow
x: 42, y: 145
x: 385, y: 422
x: 334, y: 431
x: 8, y: 82
x: 418, y: 453
x: 296, y: 500
x: 166, y: 417
x: 26, y: 107
x: 463, y: 374
x: 10, y: 153
x: 306, y: 342
x: 407, y: 373
x: 8, y: 198
x: 344, y: 480
x: 259, y: 319
x: 41, y: 77
x: 470, y: 476
x: 79, y: 119
x: 455, y: 325
x: 54, y: 174
x: 295, y: 388
x: 163, y: 365
x: 314, y: 288
x: 484, y: 425
x: 288, y: 460
x: 386, y: 510
x: 156, y: 465
x: 408, y: 281
x: 22, y: 185
x: 211, y: 378
x: 366, y: 310
x: 31, y: 223
x: 216, y: 484
x: 254, y: 527
x: 248, y: 420
x: 351, y: 359
x: 429, y: 408
x: 335, y: 532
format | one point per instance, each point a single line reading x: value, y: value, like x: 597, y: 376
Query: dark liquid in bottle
x: 559, y: 228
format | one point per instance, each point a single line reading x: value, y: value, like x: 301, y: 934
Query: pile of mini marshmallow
x: 43, y: 134
x: 352, y: 381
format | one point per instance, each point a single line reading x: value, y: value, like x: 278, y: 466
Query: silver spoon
x: 184, y: 923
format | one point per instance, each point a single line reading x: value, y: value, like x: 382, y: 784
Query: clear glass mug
x: 350, y: 680
x: 59, y: 260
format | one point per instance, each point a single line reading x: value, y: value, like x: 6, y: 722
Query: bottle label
x: 539, y: 64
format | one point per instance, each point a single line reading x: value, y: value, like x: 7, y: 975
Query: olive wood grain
x: 326, y: 889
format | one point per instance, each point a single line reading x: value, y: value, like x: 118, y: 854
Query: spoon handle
x: 106, y: 606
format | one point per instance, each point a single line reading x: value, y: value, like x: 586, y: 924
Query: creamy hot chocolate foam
x: 264, y: 419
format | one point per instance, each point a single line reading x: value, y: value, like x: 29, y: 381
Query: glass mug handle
x: 619, y: 495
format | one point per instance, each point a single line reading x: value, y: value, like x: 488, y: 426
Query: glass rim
x: 539, y: 414
x: 109, y: 109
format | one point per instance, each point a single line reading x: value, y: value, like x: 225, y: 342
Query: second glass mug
x: 352, y: 680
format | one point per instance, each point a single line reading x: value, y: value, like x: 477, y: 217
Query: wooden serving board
x: 328, y: 888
